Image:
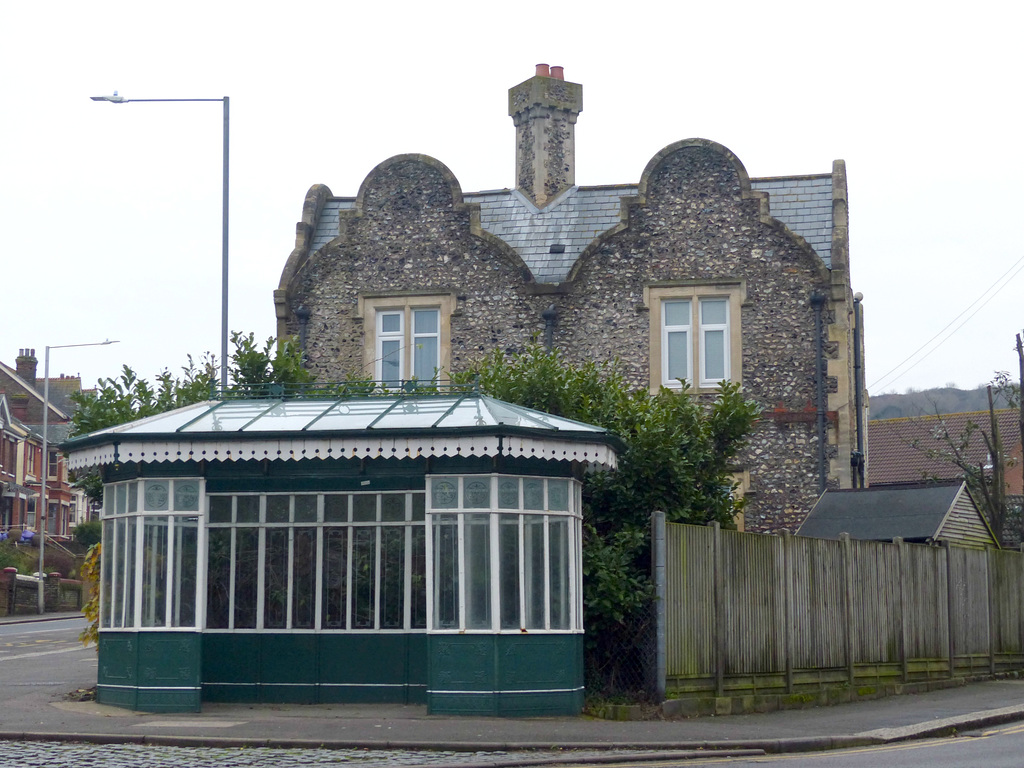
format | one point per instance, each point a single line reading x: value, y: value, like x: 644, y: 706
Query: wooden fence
x: 758, y: 614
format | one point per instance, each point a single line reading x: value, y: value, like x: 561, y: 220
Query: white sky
x: 110, y: 214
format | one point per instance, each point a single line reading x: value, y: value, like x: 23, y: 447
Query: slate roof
x: 882, y: 514
x: 898, y: 449
x: 580, y: 214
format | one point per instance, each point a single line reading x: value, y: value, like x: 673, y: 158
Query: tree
x: 677, y: 459
x: 129, y: 397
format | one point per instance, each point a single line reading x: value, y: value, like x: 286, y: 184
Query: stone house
x: 696, y: 273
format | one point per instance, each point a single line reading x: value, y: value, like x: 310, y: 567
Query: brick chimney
x: 26, y: 365
x: 544, y: 110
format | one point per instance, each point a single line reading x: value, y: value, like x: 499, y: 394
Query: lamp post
x: 115, y: 99
x: 41, y: 516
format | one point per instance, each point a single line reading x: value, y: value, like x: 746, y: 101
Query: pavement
x: 45, y: 714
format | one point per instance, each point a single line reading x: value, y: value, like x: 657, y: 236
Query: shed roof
x: 916, y: 513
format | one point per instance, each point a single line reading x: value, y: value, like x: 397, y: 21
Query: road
x: 44, y: 656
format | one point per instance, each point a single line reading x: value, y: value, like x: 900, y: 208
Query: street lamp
x: 115, y: 99
x: 41, y: 516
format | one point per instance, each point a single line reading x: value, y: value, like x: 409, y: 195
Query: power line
x: 1016, y: 268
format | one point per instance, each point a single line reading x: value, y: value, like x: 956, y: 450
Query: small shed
x: 411, y: 547
x: 926, y: 514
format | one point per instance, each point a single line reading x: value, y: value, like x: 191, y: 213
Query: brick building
x: 23, y: 393
x: 696, y: 272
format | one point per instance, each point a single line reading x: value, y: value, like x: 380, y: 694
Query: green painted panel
x: 309, y: 667
x: 288, y: 658
x: 506, y: 675
x: 230, y: 657
x: 118, y: 657
x: 150, y: 671
x: 169, y: 659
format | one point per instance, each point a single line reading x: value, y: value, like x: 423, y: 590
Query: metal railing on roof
x: 342, y: 389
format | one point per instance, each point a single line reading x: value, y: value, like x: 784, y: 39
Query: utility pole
x: 1020, y: 419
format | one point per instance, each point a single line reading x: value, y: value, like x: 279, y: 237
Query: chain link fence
x: 621, y: 663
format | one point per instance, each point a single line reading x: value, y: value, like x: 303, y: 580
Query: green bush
x: 88, y: 533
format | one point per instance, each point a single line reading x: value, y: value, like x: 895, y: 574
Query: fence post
x: 901, y: 558
x: 719, y: 601
x: 950, y: 609
x: 787, y: 567
x: 850, y: 628
x: 990, y: 567
x: 660, y: 592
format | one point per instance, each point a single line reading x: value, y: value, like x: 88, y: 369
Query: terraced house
x: 695, y: 273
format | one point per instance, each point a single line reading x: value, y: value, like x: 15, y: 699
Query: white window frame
x: 373, y: 309
x: 656, y: 298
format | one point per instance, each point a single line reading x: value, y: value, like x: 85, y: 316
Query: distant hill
x: 928, y: 402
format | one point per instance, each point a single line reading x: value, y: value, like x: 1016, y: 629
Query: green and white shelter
x: 395, y: 548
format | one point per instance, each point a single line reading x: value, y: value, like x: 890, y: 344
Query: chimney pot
x: 558, y: 73
x: 543, y: 71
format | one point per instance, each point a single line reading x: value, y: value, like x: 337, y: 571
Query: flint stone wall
x: 695, y: 219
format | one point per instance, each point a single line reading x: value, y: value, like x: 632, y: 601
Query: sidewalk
x: 39, y: 711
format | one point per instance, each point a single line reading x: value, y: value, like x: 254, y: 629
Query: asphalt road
x: 44, y: 656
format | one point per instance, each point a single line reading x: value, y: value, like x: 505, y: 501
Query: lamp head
x: 115, y: 99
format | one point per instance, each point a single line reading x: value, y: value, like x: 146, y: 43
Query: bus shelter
x: 416, y: 548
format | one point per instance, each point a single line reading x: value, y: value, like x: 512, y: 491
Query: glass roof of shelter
x: 397, y: 412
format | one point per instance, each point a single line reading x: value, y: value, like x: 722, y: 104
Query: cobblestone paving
x: 40, y: 754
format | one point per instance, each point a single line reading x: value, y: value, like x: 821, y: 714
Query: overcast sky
x: 110, y: 214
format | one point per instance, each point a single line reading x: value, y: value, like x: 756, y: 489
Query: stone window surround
x: 370, y: 303
x: 734, y: 290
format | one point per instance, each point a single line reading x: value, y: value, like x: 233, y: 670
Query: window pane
x: 133, y: 497
x: 156, y: 495
x: 714, y: 355
x: 129, y: 572
x: 186, y: 553
x: 533, y: 588
x: 218, y: 578
x: 425, y: 320
x: 418, y: 607
x: 248, y: 509
x: 508, y: 493
x: 275, y: 579
x: 247, y: 564
x: 119, y: 571
x: 364, y: 575
x: 392, y: 577
x: 108, y: 501
x: 107, y: 553
x: 478, y: 572
x: 444, y: 494
x: 392, y: 507
x: 678, y: 357
x: 446, y: 572
x: 335, y: 578
x: 364, y: 508
x: 390, y: 322
x: 419, y: 506
x: 121, y: 493
x: 508, y: 564
x: 277, y: 509
x: 186, y: 495
x: 220, y: 509
x: 154, y: 571
x: 713, y: 311
x: 305, y: 508
x: 558, y: 565
x: 558, y: 495
x: 533, y: 493
x: 304, y: 579
x: 390, y: 361
x: 424, y: 358
x: 677, y: 312
x: 478, y: 493
x: 336, y: 508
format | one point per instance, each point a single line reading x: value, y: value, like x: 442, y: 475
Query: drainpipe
x: 818, y: 302
x: 857, y: 460
x: 550, y: 315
